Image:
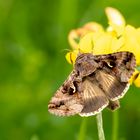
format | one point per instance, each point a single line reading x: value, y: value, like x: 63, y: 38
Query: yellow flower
x: 131, y: 42
x: 135, y: 78
x: 75, y: 35
x: 71, y: 56
x: 115, y: 20
x: 117, y: 37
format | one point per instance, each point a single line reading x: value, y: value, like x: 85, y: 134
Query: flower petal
x: 104, y: 44
x: 76, y: 34
x: 137, y: 81
x: 116, y: 20
x: 133, y: 77
x: 94, y: 27
x: 131, y: 42
x: 71, y: 56
x: 72, y: 37
x: 86, y: 43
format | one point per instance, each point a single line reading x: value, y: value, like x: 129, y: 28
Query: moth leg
x: 113, y: 105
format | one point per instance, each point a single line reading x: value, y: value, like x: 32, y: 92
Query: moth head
x: 85, y: 64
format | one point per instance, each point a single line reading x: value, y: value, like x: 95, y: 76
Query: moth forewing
x: 66, y: 101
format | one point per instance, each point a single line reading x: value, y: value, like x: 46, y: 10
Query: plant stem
x: 115, y: 125
x: 100, y: 126
x: 83, y: 127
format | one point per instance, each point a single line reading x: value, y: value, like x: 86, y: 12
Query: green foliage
x: 33, y: 36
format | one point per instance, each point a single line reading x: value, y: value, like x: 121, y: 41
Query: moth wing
x: 122, y: 64
x: 63, y: 103
x: 117, y: 68
x: 112, y: 87
x: 94, y: 100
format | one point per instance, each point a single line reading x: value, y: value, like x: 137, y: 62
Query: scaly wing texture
x: 66, y: 101
x: 117, y: 68
x: 65, y: 105
x: 121, y: 64
x: 112, y: 87
x: 94, y: 100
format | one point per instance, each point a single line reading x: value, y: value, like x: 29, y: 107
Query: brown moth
x: 96, y: 82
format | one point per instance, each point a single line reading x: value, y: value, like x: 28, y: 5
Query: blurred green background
x: 33, y: 37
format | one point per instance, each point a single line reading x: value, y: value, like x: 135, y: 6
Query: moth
x: 96, y: 82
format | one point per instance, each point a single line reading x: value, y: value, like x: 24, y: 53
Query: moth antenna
x: 65, y: 50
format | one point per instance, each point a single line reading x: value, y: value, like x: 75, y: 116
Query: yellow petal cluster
x: 118, y: 36
x: 75, y: 35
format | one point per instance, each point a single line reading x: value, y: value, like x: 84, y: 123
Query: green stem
x: 115, y: 125
x: 100, y: 126
x: 83, y: 127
